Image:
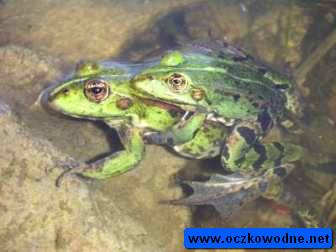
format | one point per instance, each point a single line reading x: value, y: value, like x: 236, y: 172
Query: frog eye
x: 96, y: 90
x: 177, y: 82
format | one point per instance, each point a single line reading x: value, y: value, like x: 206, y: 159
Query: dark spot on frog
x: 65, y: 91
x: 261, y: 150
x: 170, y: 140
x: 265, y: 120
x: 239, y: 161
x: 262, y: 70
x: 280, y: 171
x: 236, y: 97
x: 239, y: 58
x: 281, y: 149
x: 225, y: 152
x: 208, y: 101
x: 282, y: 86
x: 278, y: 146
x: 205, y: 129
x: 255, y: 104
x: 221, y: 55
x: 174, y: 113
x: 248, y: 134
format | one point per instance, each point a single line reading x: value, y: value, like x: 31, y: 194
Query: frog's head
x: 173, y: 79
x: 98, y: 96
x: 89, y: 98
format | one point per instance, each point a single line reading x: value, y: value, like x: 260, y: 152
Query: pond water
x: 42, y: 41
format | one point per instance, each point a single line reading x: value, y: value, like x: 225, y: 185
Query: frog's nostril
x: 65, y: 91
x: 51, y: 98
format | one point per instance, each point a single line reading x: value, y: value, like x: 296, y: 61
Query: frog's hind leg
x: 264, y: 156
x: 279, y: 158
x: 228, y: 193
x: 244, y: 150
x: 243, y: 137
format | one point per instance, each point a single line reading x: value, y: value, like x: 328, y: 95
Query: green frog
x: 218, y: 82
x: 202, y: 102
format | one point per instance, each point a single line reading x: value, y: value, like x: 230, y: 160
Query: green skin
x: 159, y: 118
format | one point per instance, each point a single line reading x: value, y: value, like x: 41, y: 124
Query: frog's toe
x: 61, y: 177
x: 74, y: 173
x: 307, y: 219
x: 67, y: 164
x: 72, y: 168
x: 226, y: 193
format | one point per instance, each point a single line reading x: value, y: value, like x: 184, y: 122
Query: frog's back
x: 216, y: 77
x: 233, y: 80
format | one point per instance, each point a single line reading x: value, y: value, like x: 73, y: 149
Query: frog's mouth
x: 169, y: 106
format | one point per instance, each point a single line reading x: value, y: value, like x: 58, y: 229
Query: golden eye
x: 96, y: 90
x: 177, y: 82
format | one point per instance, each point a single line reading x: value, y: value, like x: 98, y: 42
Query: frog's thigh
x: 206, y: 142
x: 264, y: 156
x: 121, y: 161
x: 238, y: 143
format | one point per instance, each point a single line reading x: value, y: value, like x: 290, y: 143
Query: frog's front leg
x: 118, y: 162
x: 181, y: 132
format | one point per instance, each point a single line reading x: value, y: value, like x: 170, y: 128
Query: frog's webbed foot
x: 229, y: 193
x: 302, y: 214
x: 72, y: 169
x: 307, y: 219
x: 225, y: 193
x: 61, y: 177
x: 69, y: 163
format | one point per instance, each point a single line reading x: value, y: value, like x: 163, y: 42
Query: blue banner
x: 262, y: 238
